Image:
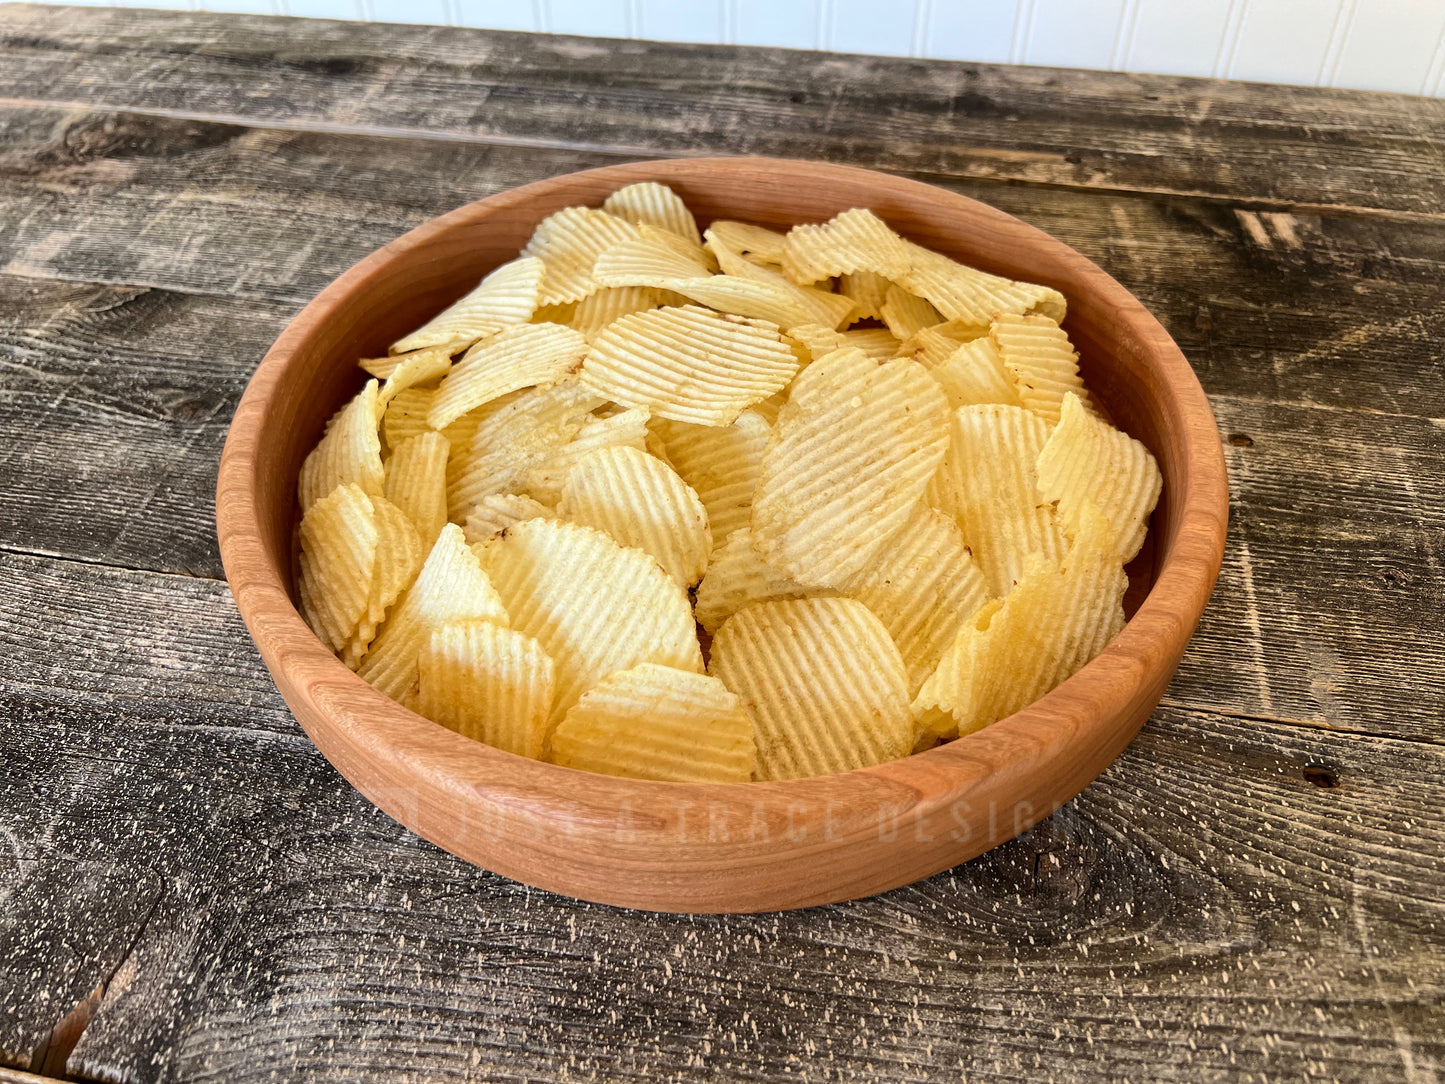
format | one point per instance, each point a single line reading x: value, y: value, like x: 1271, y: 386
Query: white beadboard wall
x: 1394, y: 45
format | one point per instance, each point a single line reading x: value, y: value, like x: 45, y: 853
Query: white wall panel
x: 792, y: 24
x: 497, y: 14
x: 1067, y: 34
x: 1286, y: 41
x: 666, y: 20
x: 1391, y: 46
x: 981, y: 30
x: 1176, y: 38
x: 595, y: 18
x: 884, y: 27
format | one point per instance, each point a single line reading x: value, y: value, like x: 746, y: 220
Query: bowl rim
x: 357, y: 722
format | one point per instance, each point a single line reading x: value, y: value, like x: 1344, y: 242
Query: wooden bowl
x: 735, y: 847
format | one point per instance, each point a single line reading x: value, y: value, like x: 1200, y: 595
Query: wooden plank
x: 1255, y: 922
x: 1350, y: 314
x: 1280, y: 146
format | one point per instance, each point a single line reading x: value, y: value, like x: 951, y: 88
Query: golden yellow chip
x: 775, y: 302
x: 594, y: 606
x: 821, y: 681
x: 973, y: 374
x: 689, y: 364
x: 418, y: 367
x: 651, y: 204
x: 568, y: 244
x: 527, y: 356
x: 828, y: 309
x: 338, y: 562
x: 560, y: 313
x: 399, y: 554
x: 520, y: 435
x: 487, y: 683
x: 350, y: 452
x: 737, y: 577
x: 967, y: 294
x: 450, y: 587
x: 626, y: 429
x: 907, y: 314
x: 655, y: 722
x: 868, y: 290
x: 989, y: 484
x: 405, y: 415
x: 923, y: 585
x: 757, y: 244
x: 852, y: 452
x: 592, y: 315
x: 1086, y: 461
x: 1045, y: 368
x: 416, y: 482
x: 721, y: 463
x: 654, y: 258
x: 505, y: 297
x: 932, y: 346
x: 1058, y: 617
x: 496, y: 512
x: 856, y: 240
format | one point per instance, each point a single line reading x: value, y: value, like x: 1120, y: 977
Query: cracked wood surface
x: 1252, y: 891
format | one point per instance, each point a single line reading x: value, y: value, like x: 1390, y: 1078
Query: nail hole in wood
x: 1241, y: 440
x: 1321, y: 776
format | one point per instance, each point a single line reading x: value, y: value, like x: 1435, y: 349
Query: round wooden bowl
x: 736, y: 847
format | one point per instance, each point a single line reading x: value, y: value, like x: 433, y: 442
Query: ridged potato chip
x: 923, y: 586
x: 654, y: 258
x: 822, y: 682
x: 642, y: 503
x: 487, y: 683
x: 399, y: 553
x: 989, y: 484
x: 1087, y: 462
x: 869, y: 290
x: 350, y: 452
x: 973, y: 374
x: 967, y: 294
x: 689, y: 364
x: 416, y: 482
x: 852, y: 452
x: 932, y: 346
x: 594, y: 606
x: 856, y: 240
x: 527, y: 356
x: 595, y: 312
x: 1043, y: 362
x: 824, y: 307
x: 568, y: 244
x: 757, y: 244
x: 721, y: 463
x: 737, y: 577
x: 1058, y: 617
x: 450, y: 587
x: 338, y: 563
x: 773, y: 302
x: 907, y: 314
x: 418, y: 367
x: 651, y: 204
x: 655, y: 722
x: 505, y: 297
x: 496, y: 512
x: 627, y: 429
x: 405, y: 416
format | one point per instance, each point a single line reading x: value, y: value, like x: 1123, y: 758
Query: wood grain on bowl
x: 737, y: 847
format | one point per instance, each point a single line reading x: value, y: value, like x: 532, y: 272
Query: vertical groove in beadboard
x: 1229, y: 43
x: 1434, y: 81
x: 542, y: 15
x: 1339, y: 34
x: 1018, y: 50
x: 1124, y: 36
x: 728, y: 15
x: 825, y: 24
x: 922, y: 16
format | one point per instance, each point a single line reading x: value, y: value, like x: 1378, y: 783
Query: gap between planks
x: 633, y: 153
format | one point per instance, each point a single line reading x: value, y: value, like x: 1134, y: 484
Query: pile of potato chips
x: 870, y: 474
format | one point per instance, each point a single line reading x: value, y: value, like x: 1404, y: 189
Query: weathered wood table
x: 188, y: 891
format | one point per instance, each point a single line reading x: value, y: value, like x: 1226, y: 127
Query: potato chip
x: 418, y: 367
x: 450, y: 587
x: 350, y: 452
x: 932, y: 346
x: 655, y: 722
x: 1044, y: 365
x: 568, y: 244
x: 505, y: 297
x: 737, y: 577
x: 338, y: 561
x: 405, y: 416
x: 1058, y: 617
x: 627, y: 429
x: 496, y: 512
x: 967, y: 294
x: 856, y: 240
x: 822, y: 682
x: 399, y: 554
x: 594, y: 606
x: 923, y: 585
x: 487, y: 683
x: 1087, y: 461
x: 560, y: 313
x: 721, y: 463
x: 642, y: 503
x: 869, y: 290
x: 907, y: 314
x: 651, y: 204
x: 988, y: 483
x: 530, y: 355
x: 852, y: 452
x: 416, y: 482
x: 518, y: 436
x: 778, y: 303
x: 689, y: 364
x: 592, y: 315
x: 757, y: 244
x: 973, y: 374
x: 654, y: 258
x: 828, y: 309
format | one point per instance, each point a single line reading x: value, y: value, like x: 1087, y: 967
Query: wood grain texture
x: 1283, y: 146
x: 1219, y: 917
